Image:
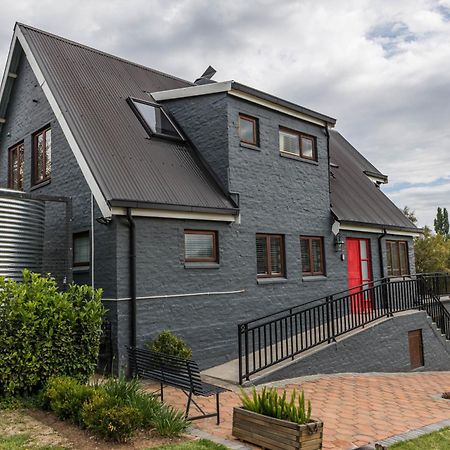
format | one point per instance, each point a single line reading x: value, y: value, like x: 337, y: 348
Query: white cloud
x: 380, y: 67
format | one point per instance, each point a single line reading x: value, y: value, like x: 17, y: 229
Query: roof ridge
x: 100, y: 52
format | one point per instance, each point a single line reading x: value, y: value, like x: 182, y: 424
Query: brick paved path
x: 356, y: 409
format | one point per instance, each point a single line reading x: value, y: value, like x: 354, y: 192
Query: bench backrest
x: 170, y: 370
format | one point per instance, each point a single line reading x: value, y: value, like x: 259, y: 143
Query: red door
x: 359, y: 273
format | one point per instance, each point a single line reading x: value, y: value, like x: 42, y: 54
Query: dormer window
x: 297, y: 144
x: 154, y: 119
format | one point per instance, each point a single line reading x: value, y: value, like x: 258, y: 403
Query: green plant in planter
x: 270, y: 403
x: 169, y: 344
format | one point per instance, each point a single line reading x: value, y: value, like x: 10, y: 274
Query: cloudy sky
x: 381, y: 67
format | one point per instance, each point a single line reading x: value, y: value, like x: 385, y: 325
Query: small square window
x: 397, y: 258
x: 298, y: 144
x: 81, y: 249
x: 312, y: 255
x: 248, y: 130
x: 200, y: 246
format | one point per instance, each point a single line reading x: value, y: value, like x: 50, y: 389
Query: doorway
x: 359, y: 273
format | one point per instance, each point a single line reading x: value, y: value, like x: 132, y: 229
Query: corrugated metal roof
x: 365, y: 165
x: 354, y: 198
x: 91, y: 88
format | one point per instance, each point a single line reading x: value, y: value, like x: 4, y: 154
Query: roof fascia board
x: 6, y: 78
x: 245, y: 93
x: 192, y: 91
x: 276, y: 107
x: 171, y: 214
x: 158, y: 206
x: 92, y: 183
x: 348, y: 226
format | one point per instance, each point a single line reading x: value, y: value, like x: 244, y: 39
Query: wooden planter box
x: 276, y: 434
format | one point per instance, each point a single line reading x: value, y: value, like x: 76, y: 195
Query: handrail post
x: 240, y: 352
x: 327, y: 300
x: 292, y: 333
x: 389, y: 298
x: 333, y: 331
x: 246, y: 351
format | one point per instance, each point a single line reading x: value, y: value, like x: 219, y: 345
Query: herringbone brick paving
x: 356, y: 408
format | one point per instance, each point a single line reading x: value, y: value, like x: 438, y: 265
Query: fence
x: 268, y: 340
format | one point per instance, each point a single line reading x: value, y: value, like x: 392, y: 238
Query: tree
x: 432, y: 252
x: 441, y: 224
x: 410, y: 214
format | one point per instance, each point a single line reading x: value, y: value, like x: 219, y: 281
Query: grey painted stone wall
x: 381, y: 348
x: 28, y: 112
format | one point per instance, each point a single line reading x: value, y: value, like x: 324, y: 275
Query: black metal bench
x: 177, y: 372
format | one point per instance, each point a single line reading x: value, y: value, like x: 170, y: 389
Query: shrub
x: 65, y: 397
x: 112, y: 410
x: 169, y: 422
x: 45, y: 332
x: 108, y: 419
x: 169, y: 344
x: 270, y: 403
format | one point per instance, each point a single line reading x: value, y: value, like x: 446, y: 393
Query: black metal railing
x: 273, y: 338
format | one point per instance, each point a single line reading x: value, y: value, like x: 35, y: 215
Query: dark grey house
x: 195, y: 206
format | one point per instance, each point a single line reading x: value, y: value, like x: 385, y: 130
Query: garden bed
x: 44, y: 429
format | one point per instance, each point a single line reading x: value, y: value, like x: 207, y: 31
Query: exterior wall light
x: 338, y: 243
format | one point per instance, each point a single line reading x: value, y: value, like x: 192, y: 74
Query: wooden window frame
x: 212, y: 259
x: 37, y: 178
x: 255, y: 123
x: 81, y: 263
x: 396, y: 244
x: 11, y: 151
x: 310, y: 240
x: 300, y: 136
x: 268, y: 261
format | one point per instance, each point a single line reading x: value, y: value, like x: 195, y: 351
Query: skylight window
x: 154, y: 119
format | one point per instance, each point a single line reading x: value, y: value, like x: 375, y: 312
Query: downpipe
x: 132, y: 275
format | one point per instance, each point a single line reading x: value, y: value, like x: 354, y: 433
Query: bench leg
x: 188, y: 404
x: 218, y: 409
x: 162, y: 392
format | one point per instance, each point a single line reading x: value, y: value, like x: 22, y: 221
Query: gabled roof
x: 88, y: 91
x: 354, y: 197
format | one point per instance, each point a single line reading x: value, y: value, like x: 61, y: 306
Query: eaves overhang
x: 189, y: 208
x: 349, y: 225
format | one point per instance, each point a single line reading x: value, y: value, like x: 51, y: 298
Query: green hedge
x: 45, y: 332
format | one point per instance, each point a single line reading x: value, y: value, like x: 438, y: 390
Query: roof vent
x: 206, y: 77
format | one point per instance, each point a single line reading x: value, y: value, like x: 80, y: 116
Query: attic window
x: 154, y: 119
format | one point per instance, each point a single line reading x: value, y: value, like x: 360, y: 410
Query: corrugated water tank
x: 22, y: 223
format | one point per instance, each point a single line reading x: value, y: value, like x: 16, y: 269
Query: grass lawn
x: 439, y: 440
x: 202, y: 444
x: 22, y: 442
